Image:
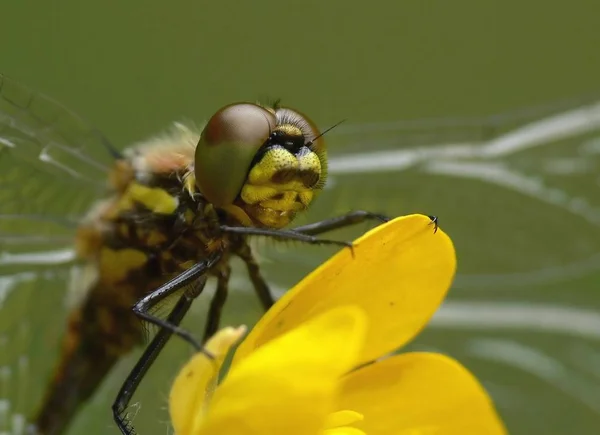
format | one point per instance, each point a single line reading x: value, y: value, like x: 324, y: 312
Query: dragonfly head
x: 261, y: 164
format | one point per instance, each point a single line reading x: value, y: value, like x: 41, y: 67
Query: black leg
x: 258, y: 282
x: 191, y: 282
x: 188, y: 280
x: 434, y: 222
x: 283, y: 235
x: 217, y: 303
x: 141, y: 367
x: 352, y: 218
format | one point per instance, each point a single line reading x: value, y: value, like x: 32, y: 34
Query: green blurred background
x: 524, y: 313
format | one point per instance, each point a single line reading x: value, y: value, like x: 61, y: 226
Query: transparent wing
x: 53, y: 165
x: 520, y: 196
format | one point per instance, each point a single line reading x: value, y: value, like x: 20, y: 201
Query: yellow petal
x: 289, y: 385
x: 399, y: 275
x: 344, y: 431
x: 343, y: 418
x: 420, y: 394
x: 189, y: 391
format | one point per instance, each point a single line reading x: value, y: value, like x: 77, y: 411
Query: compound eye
x: 227, y: 146
x: 242, y: 123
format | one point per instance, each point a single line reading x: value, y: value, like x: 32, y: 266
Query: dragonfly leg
x: 217, y: 303
x: 283, y: 235
x: 352, y: 218
x: 330, y: 224
x: 140, y: 369
x: 258, y: 282
x: 193, y: 280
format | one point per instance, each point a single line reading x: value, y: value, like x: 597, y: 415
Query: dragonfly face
x: 177, y: 207
x: 276, y: 163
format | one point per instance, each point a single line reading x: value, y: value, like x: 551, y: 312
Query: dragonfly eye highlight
x: 227, y: 146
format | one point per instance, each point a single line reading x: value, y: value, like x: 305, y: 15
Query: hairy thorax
x: 152, y: 227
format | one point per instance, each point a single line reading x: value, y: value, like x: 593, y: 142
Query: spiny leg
x: 302, y: 234
x: 217, y: 303
x: 191, y: 281
x: 330, y: 224
x: 352, y: 218
x: 283, y: 235
x: 434, y: 222
x: 144, y: 363
x: 258, y: 282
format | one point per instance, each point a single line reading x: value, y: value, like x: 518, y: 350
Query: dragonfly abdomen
x: 98, y: 333
x: 146, y: 233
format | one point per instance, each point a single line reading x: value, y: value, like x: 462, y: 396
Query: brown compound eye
x: 227, y: 146
x: 243, y: 123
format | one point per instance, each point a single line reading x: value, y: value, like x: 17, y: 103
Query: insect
x: 172, y: 212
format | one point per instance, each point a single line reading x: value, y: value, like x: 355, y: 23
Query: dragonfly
x: 61, y: 164
x: 151, y: 223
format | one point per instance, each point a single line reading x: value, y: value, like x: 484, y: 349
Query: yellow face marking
x: 273, y: 218
x: 289, y: 202
x: 271, y: 198
x: 115, y: 265
x: 154, y: 199
x: 306, y: 197
x: 278, y: 161
x: 280, y: 185
x: 273, y: 161
x: 240, y: 215
x: 290, y: 130
x: 310, y: 162
x: 255, y: 194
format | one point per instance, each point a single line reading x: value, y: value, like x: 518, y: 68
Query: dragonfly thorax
x: 152, y: 224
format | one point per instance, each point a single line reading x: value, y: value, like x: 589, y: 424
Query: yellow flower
x: 293, y: 374
x: 286, y: 387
